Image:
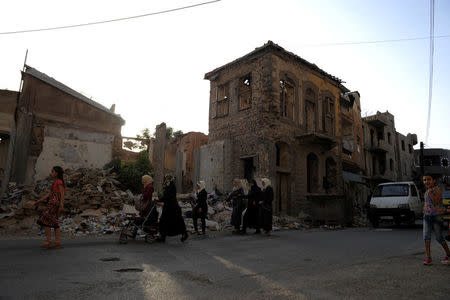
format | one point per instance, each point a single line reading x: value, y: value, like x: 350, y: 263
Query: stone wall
x: 72, y: 149
x: 159, y: 156
x: 214, y: 167
x: 267, y: 140
x: 389, y: 154
x: 56, y: 125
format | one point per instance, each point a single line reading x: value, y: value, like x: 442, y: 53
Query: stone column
x: 159, y: 150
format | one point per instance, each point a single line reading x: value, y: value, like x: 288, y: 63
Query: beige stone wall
x: 73, y: 149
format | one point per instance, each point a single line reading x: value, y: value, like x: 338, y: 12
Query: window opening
x: 222, y: 100
x: 287, y: 97
x: 245, y: 92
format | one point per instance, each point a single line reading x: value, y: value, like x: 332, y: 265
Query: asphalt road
x: 385, y: 263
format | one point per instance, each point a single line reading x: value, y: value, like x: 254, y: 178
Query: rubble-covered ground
x: 95, y: 205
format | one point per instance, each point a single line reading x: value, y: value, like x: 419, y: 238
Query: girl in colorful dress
x: 55, y: 205
x: 432, y: 218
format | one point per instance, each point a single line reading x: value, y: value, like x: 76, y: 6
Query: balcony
x: 378, y: 120
x: 379, y: 146
x: 327, y: 141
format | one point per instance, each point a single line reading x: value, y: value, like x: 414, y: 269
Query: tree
x: 130, y: 174
x: 170, y: 133
x: 142, y: 143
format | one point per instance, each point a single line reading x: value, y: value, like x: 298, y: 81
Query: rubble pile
x: 219, y: 216
x: 359, y: 217
x: 93, y: 202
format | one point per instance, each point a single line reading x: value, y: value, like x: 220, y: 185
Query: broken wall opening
x: 248, y: 168
x: 245, y: 92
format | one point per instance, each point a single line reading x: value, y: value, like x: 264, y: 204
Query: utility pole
x: 422, y: 167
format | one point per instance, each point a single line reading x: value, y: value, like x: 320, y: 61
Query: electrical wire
x: 430, y: 81
x: 375, y: 42
x: 109, y: 21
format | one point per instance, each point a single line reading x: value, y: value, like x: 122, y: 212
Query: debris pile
x: 95, y: 204
x: 359, y: 217
x: 87, y: 191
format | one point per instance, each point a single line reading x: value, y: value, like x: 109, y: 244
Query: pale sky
x: 152, y: 68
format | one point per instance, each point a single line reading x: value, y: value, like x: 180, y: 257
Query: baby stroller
x: 144, y: 224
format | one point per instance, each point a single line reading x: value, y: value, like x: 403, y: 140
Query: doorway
x: 248, y: 168
x: 282, y: 193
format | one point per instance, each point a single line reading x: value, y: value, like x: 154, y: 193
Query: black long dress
x: 236, y: 198
x: 266, y: 209
x: 171, y: 221
x: 251, y: 218
x: 201, y: 203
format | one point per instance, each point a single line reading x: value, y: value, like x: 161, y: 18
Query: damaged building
x: 55, y: 125
x: 8, y: 100
x: 273, y: 114
x: 176, y: 156
x: 389, y: 154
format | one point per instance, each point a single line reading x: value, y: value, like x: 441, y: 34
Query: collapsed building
x: 273, y: 114
x: 8, y: 100
x: 177, y: 156
x: 51, y: 124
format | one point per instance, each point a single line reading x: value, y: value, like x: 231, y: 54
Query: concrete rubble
x: 95, y: 204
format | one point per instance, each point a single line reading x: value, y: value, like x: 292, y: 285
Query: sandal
x: 45, y: 244
x: 55, y: 245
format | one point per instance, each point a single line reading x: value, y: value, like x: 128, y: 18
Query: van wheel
x: 397, y: 220
x: 375, y: 222
x: 412, y: 219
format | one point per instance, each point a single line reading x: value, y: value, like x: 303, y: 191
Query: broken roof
x: 271, y: 46
x: 53, y: 82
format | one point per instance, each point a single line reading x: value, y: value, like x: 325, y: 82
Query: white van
x: 397, y: 200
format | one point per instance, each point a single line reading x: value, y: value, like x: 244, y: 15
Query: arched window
x: 287, y: 98
x: 283, y: 157
x: 312, y: 173
x: 310, y: 109
x: 328, y: 115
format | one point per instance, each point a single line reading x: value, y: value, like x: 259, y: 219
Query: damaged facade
x: 389, y: 154
x: 8, y: 100
x: 56, y: 125
x: 176, y: 156
x: 272, y: 114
